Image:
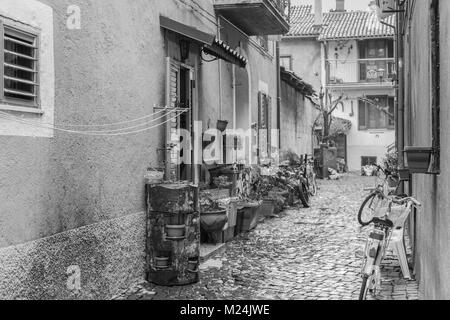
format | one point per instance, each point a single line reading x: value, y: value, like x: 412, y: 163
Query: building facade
x: 83, y: 114
x: 424, y: 38
x: 348, y: 53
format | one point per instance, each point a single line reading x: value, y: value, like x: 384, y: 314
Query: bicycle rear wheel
x: 367, y: 211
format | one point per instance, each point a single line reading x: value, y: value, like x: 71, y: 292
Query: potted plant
x: 418, y: 159
x: 153, y: 175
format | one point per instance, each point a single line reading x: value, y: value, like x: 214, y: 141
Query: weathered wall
x: 306, y: 59
x: 113, y: 69
x: 296, y: 121
x: 363, y: 143
x: 79, y: 200
x: 433, y: 222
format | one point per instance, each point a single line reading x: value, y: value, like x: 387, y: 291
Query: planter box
x: 419, y: 159
x: 267, y: 208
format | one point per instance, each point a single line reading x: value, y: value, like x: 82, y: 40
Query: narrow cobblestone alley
x: 306, y: 254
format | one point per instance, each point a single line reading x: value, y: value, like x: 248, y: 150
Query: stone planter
x: 418, y: 159
x: 212, y: 224
x: 267, y: 208
x: 247, y: 218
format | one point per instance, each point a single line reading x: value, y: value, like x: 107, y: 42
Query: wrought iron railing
x: 283, y: 6
x: 361, y: 71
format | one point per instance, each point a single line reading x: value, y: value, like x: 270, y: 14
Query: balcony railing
x: 256, y: 17
x: 362, y: 71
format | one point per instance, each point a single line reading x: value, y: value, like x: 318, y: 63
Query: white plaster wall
x: 39, y: 16
x: 363, y: 143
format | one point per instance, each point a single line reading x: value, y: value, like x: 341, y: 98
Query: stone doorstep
x: 208, y: 251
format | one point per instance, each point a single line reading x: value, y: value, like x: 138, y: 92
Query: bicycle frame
x: 375, y: 252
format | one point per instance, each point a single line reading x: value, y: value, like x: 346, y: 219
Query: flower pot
x: 404, y: 174
x: 175, y: 231
x: 222, y: 125
x: 161, y: 262
x: 193, y: 265
x: 418, y: 159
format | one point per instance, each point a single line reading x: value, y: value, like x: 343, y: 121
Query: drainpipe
x: 400, y: 91
x: 219, y: 30
x: 278, y: 94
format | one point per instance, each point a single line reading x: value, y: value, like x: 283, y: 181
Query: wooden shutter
x: 172, y: 94
x: 362, y: 115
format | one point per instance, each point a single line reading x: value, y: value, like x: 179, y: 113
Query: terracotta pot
x: 161, y: 262
x: 175, y: 231
x: 418, y: 158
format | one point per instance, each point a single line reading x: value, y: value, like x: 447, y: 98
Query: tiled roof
x: 339, y: 25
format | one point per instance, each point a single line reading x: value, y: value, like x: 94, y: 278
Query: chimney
x: 340, y: 5
x: 318, y: 13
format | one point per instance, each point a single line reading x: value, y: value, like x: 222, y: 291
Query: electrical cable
x: 87, y: 131
x: 95, y: 134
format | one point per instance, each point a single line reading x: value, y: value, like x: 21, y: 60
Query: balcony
x: 256, y: 17
x: 362, y: 73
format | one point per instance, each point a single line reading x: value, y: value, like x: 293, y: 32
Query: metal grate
x: 20, y: 67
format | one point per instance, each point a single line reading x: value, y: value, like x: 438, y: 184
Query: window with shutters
x: 264, y: 125
x: 372, y: 117
x: 20, y: 64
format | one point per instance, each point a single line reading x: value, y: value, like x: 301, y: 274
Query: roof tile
x: 339, y: 25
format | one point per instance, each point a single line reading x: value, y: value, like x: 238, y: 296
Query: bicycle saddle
x: 385, y: 223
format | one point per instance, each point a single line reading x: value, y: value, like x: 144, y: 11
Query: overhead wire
x: 92, y: 131
x: 8, y: 117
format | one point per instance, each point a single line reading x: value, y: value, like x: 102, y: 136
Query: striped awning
x: 223, y: 51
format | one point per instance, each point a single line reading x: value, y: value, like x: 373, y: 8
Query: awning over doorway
x: 211, y: 45
x: 185, y: 30
x: 222, y: 51
x: 338, y: 127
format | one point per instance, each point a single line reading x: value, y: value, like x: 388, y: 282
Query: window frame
x: 290, y: 61
x: 365, y: 127
x: 27, y: 33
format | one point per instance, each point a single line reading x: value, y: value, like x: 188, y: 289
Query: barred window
x: 19, y: 71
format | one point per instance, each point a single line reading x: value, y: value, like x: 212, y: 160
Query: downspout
x: 278, y: 94
x: 400, y: 92
x: 219, y: 29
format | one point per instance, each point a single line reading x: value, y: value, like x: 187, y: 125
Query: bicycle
x: 379, y: 196
x: 376, y: 246
x: 311, y: 176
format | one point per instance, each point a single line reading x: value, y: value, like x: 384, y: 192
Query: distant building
x: 348, y: 52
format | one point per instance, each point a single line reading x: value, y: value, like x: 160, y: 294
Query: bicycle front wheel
x: 367, y: 211
x: 364, y: 288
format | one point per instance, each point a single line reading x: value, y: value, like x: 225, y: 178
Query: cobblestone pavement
x: 306, y: 254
